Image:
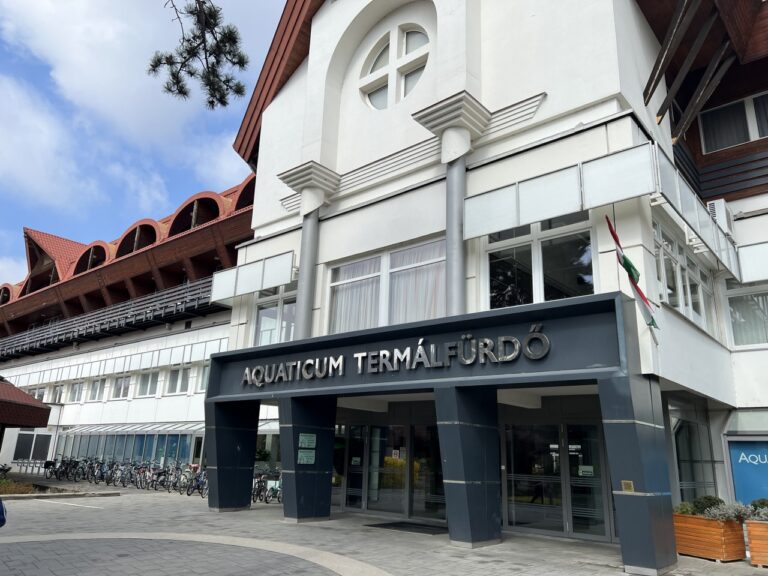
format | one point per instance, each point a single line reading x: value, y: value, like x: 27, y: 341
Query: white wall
x: 750, y: 374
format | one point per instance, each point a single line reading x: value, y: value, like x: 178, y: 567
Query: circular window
x: 394, y: 66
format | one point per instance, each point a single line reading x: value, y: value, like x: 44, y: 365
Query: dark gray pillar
x: 307, y: 472
x: 469, y: 446
x: 2, y: 435
x: 455, y: 267
x: 633, y: 423
x: 305, y: 297
x: 230, y: 444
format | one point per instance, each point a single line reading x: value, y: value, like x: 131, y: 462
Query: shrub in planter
x: 757, y: 534
x: 715, y: 533
x: 701, y: 503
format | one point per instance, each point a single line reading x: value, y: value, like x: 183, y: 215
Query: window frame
x: 399, y: 64
x: 99, y: 384
x: 76, y: 397
x: 180, y: 368
x: 203, y: 379
x: 57, y: 394
x: 280, y: 299
x: 149, y: 374
x: 125, y: 384
x: 681, y: 255
x: 752, y: 127
x: 383, y: 274
x: 535, y: 239
x: 748, y: 290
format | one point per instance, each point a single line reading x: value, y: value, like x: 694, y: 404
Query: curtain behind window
x: 417, y: 293
x: 724, y: 127
x: 749, y: 318
x: 355, y: 306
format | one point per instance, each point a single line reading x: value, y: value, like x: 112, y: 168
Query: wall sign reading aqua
x: 749, y: 467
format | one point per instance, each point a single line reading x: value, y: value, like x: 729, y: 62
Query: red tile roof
x: 62, y: 251
x: 19, y: 409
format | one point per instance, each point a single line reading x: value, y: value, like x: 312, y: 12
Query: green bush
x: 760, y: 514
x: 685, y: 508
x: 760, y: 503
x: 701, y: 503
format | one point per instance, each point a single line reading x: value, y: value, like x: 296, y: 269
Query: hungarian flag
x: 646, y: 308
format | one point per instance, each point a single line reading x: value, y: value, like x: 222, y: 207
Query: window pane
x: 670, y: 271
x: 378, y: 98
x: 761, y: 111
x: 417, y: 293
x: 749, y: 318
x: 518, y: 232
x: 511, y: 277
x: 289, y: 321
x: 381, y: 60
x: 355, y: 306
x: 693, y: 284
x: 153, y: 378
x: 356, y: 269
x: 415, y: 40
x: 417, y: 254
x: 184, y: 386
x: 709, y: 310
x: 266, y: 325
x: 567, y: 266
x: 726, y: 126
x: 173, y: 381
x: 410, y: 80
x: 565, y: 220
x: 144, y: 385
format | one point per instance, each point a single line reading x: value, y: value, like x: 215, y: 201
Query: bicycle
x: 275, y: 490
x: 4, y: 469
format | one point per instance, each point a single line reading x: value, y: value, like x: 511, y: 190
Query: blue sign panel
x: 749, y: 466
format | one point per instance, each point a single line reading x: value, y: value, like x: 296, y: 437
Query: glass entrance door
x: 427, y: 491
x: 585, y: 472
x: 355, y: 466
x: 534, y: 479
x: 555, y: 479
x: 387, y: 469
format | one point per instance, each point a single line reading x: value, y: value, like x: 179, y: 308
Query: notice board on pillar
x: 749, y: 469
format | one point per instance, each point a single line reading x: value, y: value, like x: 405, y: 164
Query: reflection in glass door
x: 386, y: 469
x: 586, y: 482
x: 355, y: 466
x: 534, y: 486
x: 427, y: 491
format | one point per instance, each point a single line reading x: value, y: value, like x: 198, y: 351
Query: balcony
x: 185, y: 301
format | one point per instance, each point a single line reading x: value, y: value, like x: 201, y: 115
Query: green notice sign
x: 307, y: 441
x: 306, y: 457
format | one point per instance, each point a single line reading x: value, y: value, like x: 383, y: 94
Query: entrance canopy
x: 20, y: 410
x: 579, y: 339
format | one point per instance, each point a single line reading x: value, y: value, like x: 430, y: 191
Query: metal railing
x: 192, y: 299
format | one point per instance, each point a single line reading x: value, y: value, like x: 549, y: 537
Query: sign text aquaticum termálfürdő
x: 466, y: 351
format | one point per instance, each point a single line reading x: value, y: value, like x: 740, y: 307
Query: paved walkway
x: 164, y: 533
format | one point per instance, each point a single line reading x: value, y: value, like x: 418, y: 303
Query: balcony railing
x: 185, y: 301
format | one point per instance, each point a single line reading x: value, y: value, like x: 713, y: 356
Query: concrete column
x: 455, y: 263
x: 307, y: 481
x: 633, y: 424
x: 467, y: 423
x: 305, y: 298
x: 230, y: 444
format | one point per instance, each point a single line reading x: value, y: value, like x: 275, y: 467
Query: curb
x: 55, y: 496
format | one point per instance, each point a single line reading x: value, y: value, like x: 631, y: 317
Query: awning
x: 20, y: 410
x: 265, y: 427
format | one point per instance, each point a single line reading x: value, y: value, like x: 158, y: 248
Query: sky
x: 89, y: 143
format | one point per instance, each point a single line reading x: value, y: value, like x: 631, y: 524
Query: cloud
x: 216, y: 164
x: 98, y: 54
x: 12, y: 270
x: 143, y: 189
x: 37, y: 162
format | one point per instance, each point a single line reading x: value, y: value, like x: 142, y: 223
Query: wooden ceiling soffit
x: 685, y: 11
x: 289, y: 48
x: 740, y: 18
x: 707, y: 85
x: 686, y: 66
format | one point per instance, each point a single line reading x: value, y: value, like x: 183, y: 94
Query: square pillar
x: 307, y: 435
x: 467, y: 423
x: 633, y: 424
x: 230, y: 444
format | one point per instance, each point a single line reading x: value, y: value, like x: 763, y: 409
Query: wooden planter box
x: 757, y: 533
x: 711, y: 539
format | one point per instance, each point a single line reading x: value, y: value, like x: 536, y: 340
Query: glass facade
x: 162, y: 448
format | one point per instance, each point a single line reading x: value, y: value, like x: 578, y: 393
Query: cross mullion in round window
x: 394, y: 66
